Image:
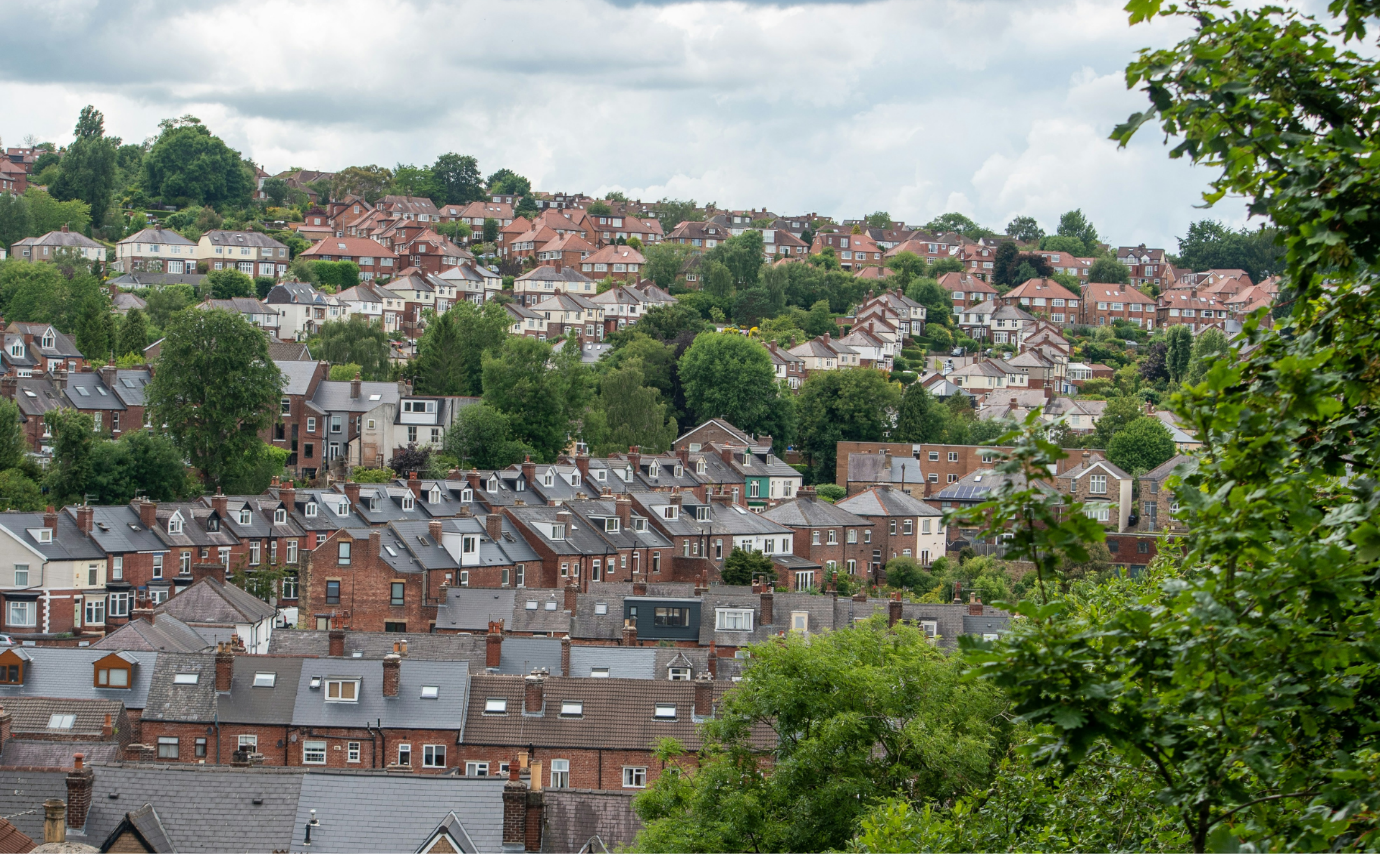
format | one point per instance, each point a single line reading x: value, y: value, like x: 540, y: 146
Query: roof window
x: 265, y: 678
x: 186, y: 679
x: 431, y: 692
x: 572, y: 709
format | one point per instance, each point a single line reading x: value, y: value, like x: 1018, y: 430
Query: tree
x: 134, y: 334
x: 1179, y: 350
x: 718, y: 279
x: 635, y: 413
x: 920, y: 419
x: 938, y: 303
x: 744, y: 567
x: 355, y: 341
x: 941, y: 266
x: 520, y: 382
x: 344, y: 372
x: 31, y: 292
x: 166, y: 300
x: 369, y: 182
x: 481, y: 437
x: 905, y: 573
x: 1108, y: 270
x: 342, y: 274
x: 451, y: 351
x: 456, y: 231
x: 187, y: 164
x: 664, y: 261
x: 671, y: 213
x: 857, y: 716
x: 50, y: 214
x: 138, y: 463
x: 490, y: 230
x: 87, y: 171
x: 413, y: 181
x: 1004, y: 262
x: 1155, y: 367
x: 13, y: 444
x: 227, y: 284
x: 1075, y: 224
x: 830, y: 492
x: 1116, y: 415
x: 958, y: 224
x: 879, y: 219
x: 16, y: 222
x: 1072, y: 245
x: 1024, y: 229
x: 276, y: 190
x: 598, y: 208
x: 506, y: 182
x: 1210, y: 345
x: 1211, y: 245
x: 851, y: 404
x: 73, y: 440
x: 742, y: 255
x: 1144, y: 444
x: 215, y: 387
x: 730, y: 376
x: 18, y: 493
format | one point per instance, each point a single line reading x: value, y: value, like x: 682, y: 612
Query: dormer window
x: 374, y: 504
x: 407, y: 502
x: 311, y: 509
x: 466, y: 495
x: 48, y: 340
x: 342, y: 508
x: 627, y: 473
x: 45, y: 535
x: 639, y: 524
x: 702, y: 466
x: 434, y: 495
x: 612, y: 525
x: 558, y: 531
x: 679, y: 470
x: 575, y: 479
x: 654, y: 469
x: 280, y: 516
x: 549, y: 479
x: 492, y: 484
x: 244, y: 516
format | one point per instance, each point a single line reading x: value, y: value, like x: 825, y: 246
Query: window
x: 800, y: 621
x: 117, y: 605
x: 199, y: 747
x: 1097, y: 484
x: 248, y: 743
x: 867, y: 536
x: 167, y: 747
x: 95, y: 612
x: 92, y: 574
x: 265, y: 678
x: 496, y: 705
x: 473, y: 768
x: 352, y: 752
x: 314, y: 752
x: 433, y: 756
x: 342, y: 690
x: 21, y: 574
x: 852, y: 534
x: 572, y: 709
x: 292, y: 552
x: 560, y: 773
x: 664, y: 711
x: 254, y: 552
x: 186, y: 678
x: 893, y: 527
x: 396, y: 593
x: 343, y: 553
x: 117, y: 678
x: 733, y: 619
x: 311, y: 424
x: 521, y: 574
x: 671, y: 617
x: 907, y: 527
x: 634, y: 777
x: 184, y: 564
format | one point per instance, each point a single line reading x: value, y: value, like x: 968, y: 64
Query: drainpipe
x: 383, y: 744
x: 215, y: 718
x: 373, y: 744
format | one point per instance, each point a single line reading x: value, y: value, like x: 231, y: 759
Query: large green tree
x: 138, y: 463
x: 1025, y: 229
x: 227, y: 284
x: 356, y: 341
x: 664, y: 261
x: 450, y: 353
x: 1106, y: 269
x: 851, y: 404
x: 1211, y: 245
x: 457, y: 179
x: 817, y: 732
x: 920, y: 418
x: 50, y: 214
x: 13, y: 444
x: 1210, y: 345
x: 730, y: 376
x: 1075, y: 224
x: 134, y: 334
x: 215, y: 388
x: 87, y: 171
x: 16, y: 222
x: 631, y: 413
x: 187, y: 164
x: 73, y: 441
x: 1179, y: 350
x: 1143, y: 445
x: 481, y: 437
x: 522, y: 381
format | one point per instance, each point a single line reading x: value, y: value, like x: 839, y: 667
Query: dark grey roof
x: 985, y: 624
x: 376, y: 645
x: 164, y: 632
x: 57, y: 753
x: 808, y: 512
x: 381, y: 814
x: 24, y: 792
x: 540, y: 610
x: 130, y: 385
x: 192, y: 701
x: 68, y: 541
x: 335, y: 395
x: 588, y: 821
x: 261, y: 705
x: 138, y: 280
x: 66, y: 672
x: 1163, y: 471
x: 117, y: 530
x: 472, y: 608
x: 523, y: 655
x: 635, y: 662
x: 587, y: 624
x: 210, y: 601
x: 87, y: 391
x: 31, y: 715
x: 297, y: 376
x: 980, y: 484
x: 242, y: 238
x: 182, y: 795
x: 149, y: 826
x: 407, y: 710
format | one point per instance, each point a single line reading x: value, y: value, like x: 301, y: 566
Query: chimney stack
x: 565, y: 656
x: 414, y: 485
x: 79, y: 782
x: 352, y: 492
x: 529, y: 470
x: 572, y: 595
x: 635, y: 457
x: 108, y: 727
x: 225, y: 667
x: 355, y: 387
x: 629, y: 633
x: 434, y: 528
x: 640, y: 587
x: 85, y: 519
x: 288, y: 495
x: 374, y: 543
x: 622, y: 507
x: 893, y: 610
x: 532, y: 692
x: 392, y: 672
x: 493, y: 525
x: 148, y: 512
x: 336, y: 646
x: 493, y: 644
x: 974, y: 604
x: 765, y: 618
x: 704, y: 695
x: 9, y: 386
x: 50, y: 519
x: 1087, y: 457
x: 514, y: 814
x: 221, y: 504
x: 713, y: 661
x: 475, y: 480
x: 54, y: 821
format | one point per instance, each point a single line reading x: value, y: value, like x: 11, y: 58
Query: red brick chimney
x: 9, y: 386
x: 434, y: 528
x: 493, y: 525
x: 148, y: 512
x: 622, y: 507
x: 225, y: 667
x: 704, y: 695
x: 515, y: 813
x: 493, y: 644
x: 572, y: 594
x: 565, y: 656
x: 765, y: 618
x: 374, y: 540
x: 635, y: 457
x: 392, y: 672
x: 974, y: 604
x: 352, y: 492
x: 50, y: 518
x: 108, y: 727
x: 475, y: 480
x: 221, y: 504
x: 529, y: 470
x: 629, y: 633
x: 414, y: 485
x: 355, y: 387
x: 79, y: 783
x: 713, y: 661
x: 85, y: 519
x: 893, y: 610
x: 288, y: 495
x: 640, y: 587
x: 532, y: 692
x: 336, y: 639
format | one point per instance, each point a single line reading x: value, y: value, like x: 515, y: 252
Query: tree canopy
x: 187, y: 164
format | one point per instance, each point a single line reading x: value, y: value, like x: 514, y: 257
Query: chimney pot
x: 392, y: 672
x: 532, y: 692
x: 974, y: 603
x: 54, y: 821
x: 434, y: 528
x: 704, y: 695
x: 493, y: 644
x: 630, y: 632
x: 79, y: 783
x: 225, y: 667
x: 336, y: 642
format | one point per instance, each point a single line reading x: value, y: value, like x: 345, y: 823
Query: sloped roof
x: 354, y: 822
x: 210, y: 601
x: 588, y: 821
x: 885, y: 500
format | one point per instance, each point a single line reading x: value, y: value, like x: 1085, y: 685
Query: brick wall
x: 968, y: 459
x: 366, y: 588
x: 589, y: 768
x: 187, y: 733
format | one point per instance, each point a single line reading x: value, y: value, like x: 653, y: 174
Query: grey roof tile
x: 408, y: 710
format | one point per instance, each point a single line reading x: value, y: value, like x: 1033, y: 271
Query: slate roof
x: 1163, y: 472
x: 183, y: 702
x: 117, y: 530
x: 57, y: 753
x: 182, y: 795
x: 588, y: 821
x: 407, y: 710
x: 540, y: 610
x: 31, y: 715
x: 335, y: 395
x: 87, y: 391
x: 66, y: 672
x: 209, y: 601
x: 376, y: 645
x: 163, y: 633
x: 810, y: 512
x: 982, y: 483
x: 638, y: 663
x: 24, y: 791
x: 472, y: 608
x: 130, y: 385
x: 149, y: 826
x: 984, y: 624
x: 260, y: 705
x: 523, y: 655
x: 353, y: 821
x: 885, y: 500
x: 297, y: 376
x: 68, y: 542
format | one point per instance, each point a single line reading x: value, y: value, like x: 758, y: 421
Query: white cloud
x: 994, y: 107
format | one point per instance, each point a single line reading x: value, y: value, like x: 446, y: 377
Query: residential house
x: 39, y: 249
x: 375, y: 260
x: 901, y: 526
x: 824, y: 533
x: 1044, y: 298
x: 620, y: 263
x: 375, y: 303
x: 1196, y: 311
x: 544, y: 282
x: 250, y: 252
x: 52, y: 569
x: 1148, y: 266
x: 1105, y: 304
x: 302, y: 309
x: 252, y: 309
x: 1103, y: 488
x: 155, y: 250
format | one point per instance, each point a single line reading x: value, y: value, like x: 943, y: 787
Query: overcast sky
x: 992, y: 107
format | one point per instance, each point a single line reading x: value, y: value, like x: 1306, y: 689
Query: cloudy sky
x: 917, y: 107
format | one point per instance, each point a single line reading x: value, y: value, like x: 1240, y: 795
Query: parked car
x: 7, y: 640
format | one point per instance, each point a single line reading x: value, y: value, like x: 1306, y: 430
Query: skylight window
x: 265, y: 678
x: 664, y: 711
x: 431, y: 692
x: 601, y: 608
x: 61, y: 721
x: 375, y: 397
x: 496, y: 705
x: 186, y: 679
x: 598, y: 672
x: 391, y: 552
x: 82, y: 390
x: 572, y: 709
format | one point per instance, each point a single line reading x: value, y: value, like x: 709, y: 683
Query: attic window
x: 311, y: 510
x: 82, y: 390
x: 391, y: 552
x: 175, y: 524
x: 101, y: 390
x: 265, y: 678
x: 466, y: 496
x: 664, y: 711
x: 531, y: 605
x: 495, y: 705
x: 342, y: 508
x: 61, y: 721
x: 492, y: 484
x: 612, y: 525
x: 551, y: 605
x: 434, y: 495
x: 598, y: 672
x: 45, y: 535
x: 639, y: 524
x: 407, y: 502
x: 280, y: 516
x: 243, y: 516
x: 572, y: 709
x: 342, y: 690
x: 186, y: 679
x: 375, y: 397
x: 431, y: 692
x: 549, y: 479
